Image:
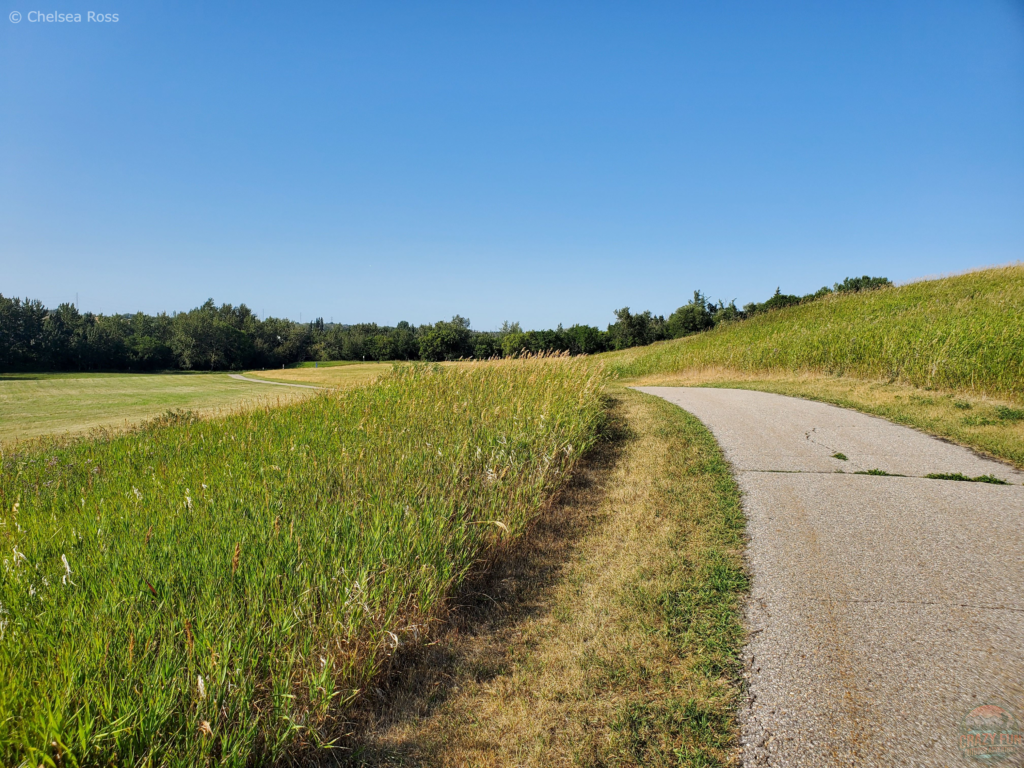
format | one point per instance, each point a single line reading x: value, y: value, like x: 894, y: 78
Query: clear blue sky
x: 542, y: 162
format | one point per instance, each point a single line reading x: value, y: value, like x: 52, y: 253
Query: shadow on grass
x: 472, y: 643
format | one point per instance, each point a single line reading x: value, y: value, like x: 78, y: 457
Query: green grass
x: 687, y: 605
x: 963, y: 333
x: 32, y: 405
x: 221, y: 591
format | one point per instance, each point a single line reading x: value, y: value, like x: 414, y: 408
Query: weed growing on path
x: 964, y: 478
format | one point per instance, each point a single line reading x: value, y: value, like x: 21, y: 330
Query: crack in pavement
x: 943, y: 603
x: 859, y: 473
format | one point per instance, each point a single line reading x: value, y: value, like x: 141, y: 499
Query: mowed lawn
x: 331, y: 374
x: 37, y: 404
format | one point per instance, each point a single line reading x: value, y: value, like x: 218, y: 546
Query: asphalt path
x: 886, y: 615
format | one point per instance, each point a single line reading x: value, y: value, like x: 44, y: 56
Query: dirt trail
x: 884, y: 609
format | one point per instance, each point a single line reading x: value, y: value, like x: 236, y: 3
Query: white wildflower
x: 138, y: 494
x: 67, y: 576
x: 202, y: 687
x: 188, y: 499
x: 18, y: 554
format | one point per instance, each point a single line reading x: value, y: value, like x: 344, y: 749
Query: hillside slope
x: 962, y: 333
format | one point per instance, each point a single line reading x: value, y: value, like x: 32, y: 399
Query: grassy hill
x: 962, y: 333
x: 222, y: 590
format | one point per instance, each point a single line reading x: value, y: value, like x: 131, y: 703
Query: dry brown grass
x: 608, y: 638
x: 341, y: 376
x: 989, y: 425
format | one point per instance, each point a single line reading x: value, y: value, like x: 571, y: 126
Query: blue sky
x: 540, y: 162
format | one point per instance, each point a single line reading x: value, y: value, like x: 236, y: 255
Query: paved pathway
x: 240, y: 377
x: 884, y: 611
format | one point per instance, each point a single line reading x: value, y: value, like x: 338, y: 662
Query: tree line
x: 226, y: 337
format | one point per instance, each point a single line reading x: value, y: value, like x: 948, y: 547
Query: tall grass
x: 221, y: 591
x: 962, y: 333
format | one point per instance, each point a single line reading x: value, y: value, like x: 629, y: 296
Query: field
x: 224, y: 590
x: 958, y: 334
x: 277, y: 584
x: 36, y: 404
x: 340, y: 375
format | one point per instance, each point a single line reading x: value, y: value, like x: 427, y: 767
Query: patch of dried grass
x: 565, y: 657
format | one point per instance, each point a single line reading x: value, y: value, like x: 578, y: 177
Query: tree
x: 585, y: 340
x: 694, y: 317
x: 194, y: 339
x: 779, y: 300
x: 631, y: 330
x: 857, y: 284
x: 486, y: 345
x: 514, y: 343
x: 447, y: 340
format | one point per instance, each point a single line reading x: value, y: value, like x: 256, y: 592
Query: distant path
x: 883, y: 610
x: 240, y: 377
